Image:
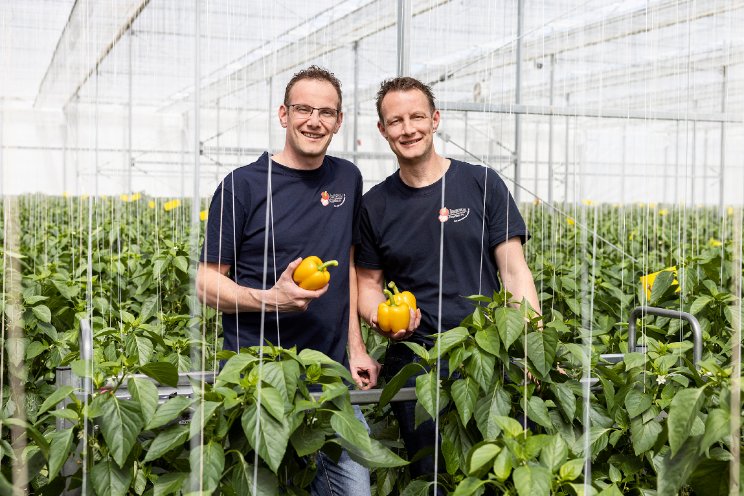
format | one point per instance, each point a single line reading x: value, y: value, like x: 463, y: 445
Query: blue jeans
x: 345, y: 478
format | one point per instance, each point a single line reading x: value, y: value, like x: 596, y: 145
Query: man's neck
x: 418, y: 174
x: 293, y: 161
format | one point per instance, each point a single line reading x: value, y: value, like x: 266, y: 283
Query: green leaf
x: 167, y: 440
x: 234, y: 367
x: 497, y: 404
x: 682, y: 413
x: 536, y: 353
x: 376, y: 455
x: 449, y: 339
x: 55, y: 398
x: 481, y: 366
x: 306, y: 440
x: 59, y: 450
x: 146, y: 394
x: 637, y: 402
x: 168, y: 412
x: 538, y: 412
x: 121, y: 422
x: 418, y: 350
x: 510, y: 426
x: 502, y: 465
x: 203, y: 411
x: 488, y: 340
x: 700, y: 303
x: 643, y: 435
x: 716, y: 429
x: 242, y: 479
x: 273, y: 402
x: 673, y: 471
x: 140, y: 347
x: 554, y: 454
x: 482, y: 455
x: 465, y: 394
x: 571, y: 470
x: 34, y: 349
x: 470, y: 486
x: 531, y: 480
x: 397, y: 382
x: 273, y: 436
x: 611, y: 491
x: 426, y: 389
x: 208, y: 463
x: 181, y: 263
x: 417, y: 488
x: 510, y: 324
x: 42, y: 313
x: 109, y: 479
x: 633, y: 360
x: 169, y: 483
x: 346, y: 425
x: 566, y: 399
x: 163, y: 372
x: 661, y: 285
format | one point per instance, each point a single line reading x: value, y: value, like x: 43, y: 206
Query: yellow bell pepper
x: 311, y: 274
x: 392, y: 316
x: 404, y: 297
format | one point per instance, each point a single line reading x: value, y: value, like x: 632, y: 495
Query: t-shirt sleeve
x: 504, y: 219
x: 367, y: 253
x: 224, y: 230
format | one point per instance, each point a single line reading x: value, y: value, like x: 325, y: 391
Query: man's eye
x: 303, y: 109
x: 327, y: 112
x: 418, y: 117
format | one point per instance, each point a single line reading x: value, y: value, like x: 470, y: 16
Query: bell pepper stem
x: 390, y: 299
x: 329, y: 263
x: 394, y: 287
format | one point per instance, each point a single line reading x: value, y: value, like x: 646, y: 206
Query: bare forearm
x: 522, y: 286
x: 218, y: 291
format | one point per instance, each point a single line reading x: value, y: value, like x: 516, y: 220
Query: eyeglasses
x: 325, y: 114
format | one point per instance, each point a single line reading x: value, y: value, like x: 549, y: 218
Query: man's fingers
x: 289, y: 271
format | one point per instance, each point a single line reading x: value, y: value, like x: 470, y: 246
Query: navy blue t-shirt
x: 313, y: 213
x: 400, y: 234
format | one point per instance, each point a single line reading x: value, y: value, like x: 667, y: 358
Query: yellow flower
x: 652, y: 206
x: 124, y: 198
x: 570, y: 221
x: 663, y: 212
x: 586, y: 202
x: 647, y: 281
x: 536, y: 201
x: 730, y: 211
x: 203, y: 215
x: 714, y: 243
x: 151, y: 204
x: 65, y: 194
x: 170, y: 205
x: 135, y: 197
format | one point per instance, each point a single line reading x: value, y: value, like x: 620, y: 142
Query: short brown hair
x: 317, y: 73
x: 404, y: 83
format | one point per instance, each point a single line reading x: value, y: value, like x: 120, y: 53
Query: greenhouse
x: 371, y: 247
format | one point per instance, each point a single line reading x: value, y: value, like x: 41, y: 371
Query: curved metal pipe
x: 697, y: 332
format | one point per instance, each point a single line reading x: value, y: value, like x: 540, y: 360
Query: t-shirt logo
x: 335, y: 199
x: 443, y: 214
x: 456, y: 214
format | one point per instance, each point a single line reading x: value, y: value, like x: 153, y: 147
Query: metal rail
x: 697, y: 333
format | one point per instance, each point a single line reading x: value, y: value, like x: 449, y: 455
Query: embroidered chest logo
x: 456, y: 214
x: 335, y: 199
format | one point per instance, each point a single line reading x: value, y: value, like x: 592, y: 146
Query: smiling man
x: 428, y: 200
x: 313, y: 203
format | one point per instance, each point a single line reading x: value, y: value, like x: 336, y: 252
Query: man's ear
x: 339, y: 121
x: 283, y: 116
x: 381, y: 128
x: 435, y: 119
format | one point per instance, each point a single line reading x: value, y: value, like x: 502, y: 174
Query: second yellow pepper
x: 311, y: 274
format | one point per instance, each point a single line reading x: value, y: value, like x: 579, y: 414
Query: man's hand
x: 413, y: 323
x: 287, y: 296
x: 364, y: 370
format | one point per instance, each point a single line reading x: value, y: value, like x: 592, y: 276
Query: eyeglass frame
x: 313, y: 109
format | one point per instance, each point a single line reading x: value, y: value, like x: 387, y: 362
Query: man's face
x: 408, y: 124
x: 309, y: 130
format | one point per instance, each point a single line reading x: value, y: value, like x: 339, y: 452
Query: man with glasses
x: 401, y: 227
x: 313, y: 203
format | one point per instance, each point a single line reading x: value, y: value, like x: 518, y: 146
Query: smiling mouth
x: 311, y: 135
x: 410, y: 142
